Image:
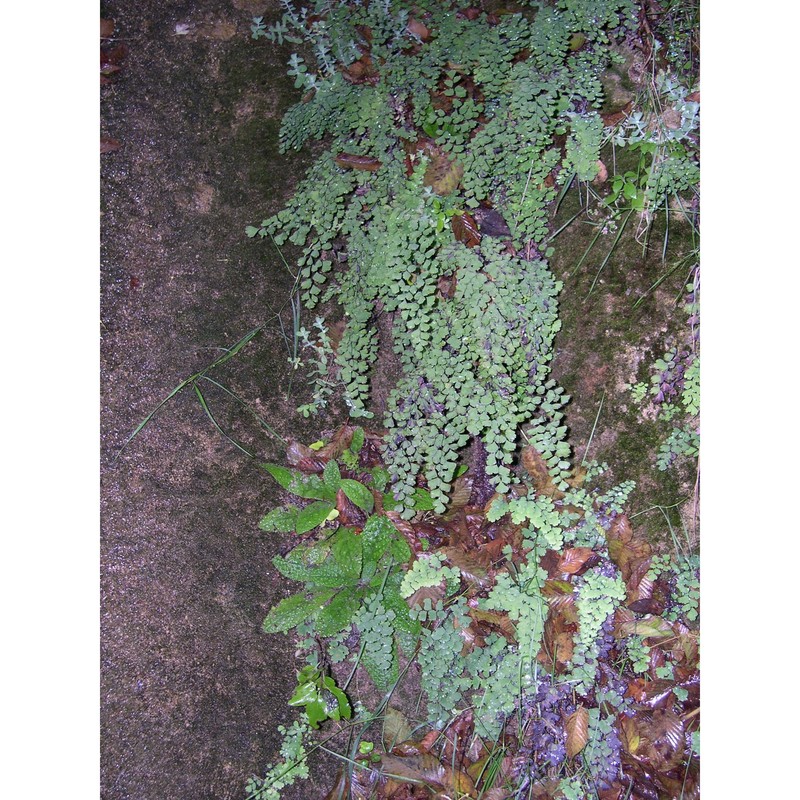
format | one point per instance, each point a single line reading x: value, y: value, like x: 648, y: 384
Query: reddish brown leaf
x: 458, y: 736
x: 354, y: 161
x: 304, y: 458
x: 626, y: 548
x: 349, y: 513
x: 577, y: 728
x: 662, y: 739
x: 432, y: 593
x: 446, y: 284
x: 361, y: 71
x: 496, y: 619
x: 540, y: 473
x: 108, y: 145
x: 111, y: 57
x: 106, y: 28
x: 573, y: 559
x: 338, y: 443
x: 472, y: 570
x: 465, y: 229
x: 460, y: 493
x: 416, y: 28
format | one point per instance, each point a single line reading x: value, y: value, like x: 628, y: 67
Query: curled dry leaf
x: 338, y: 443
x: 574, y: 558
x: 354, y: 161
x: 304, y: 458
x: 626, y: 548
x: 537, y: 468
x: 659, y: 737
x: 577, y: 728
x: 416, y: 28
x: 602, y: 174
x: 465, y: 229
x: 470, y: 567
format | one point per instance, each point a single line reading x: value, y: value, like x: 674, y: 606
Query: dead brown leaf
x: 577, y: 728
x: 465, y: 229
x: 574, y: 558
x: 354, y: 161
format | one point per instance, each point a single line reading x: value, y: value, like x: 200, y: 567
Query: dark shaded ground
x: 192, y: 691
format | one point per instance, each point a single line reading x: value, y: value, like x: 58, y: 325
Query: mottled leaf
x: 443, y: 174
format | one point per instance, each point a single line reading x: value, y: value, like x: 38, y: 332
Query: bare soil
x: 192, y: 690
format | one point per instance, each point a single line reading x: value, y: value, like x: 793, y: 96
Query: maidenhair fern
x: 431, y: 113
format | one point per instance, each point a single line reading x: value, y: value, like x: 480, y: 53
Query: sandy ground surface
x: 192, y: 691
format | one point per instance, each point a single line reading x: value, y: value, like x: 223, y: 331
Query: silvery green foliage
x: 378, y: 240
x: 598, y: 597
x: 291, y: 767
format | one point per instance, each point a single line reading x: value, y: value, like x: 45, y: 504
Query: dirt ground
x: 192, y: 691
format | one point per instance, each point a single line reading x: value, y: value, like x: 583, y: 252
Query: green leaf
x: 422, y: 500
x: 357, y: 442
x: 347, y: 553
x: 332, y: 476
x: 281, y: 474
x: 338, y: 614
x: 359, y: 494
x: 312, y: 516
x: 291, y: 611
x: 280, y: 520
x: 375, y: 540
x: 310, y: 487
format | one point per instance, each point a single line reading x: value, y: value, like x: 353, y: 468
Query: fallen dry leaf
x: 577, y: 728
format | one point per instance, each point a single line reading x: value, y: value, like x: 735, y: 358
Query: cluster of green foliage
x: 369, y: 598
x: 433, y: 116
x: 430, y: 113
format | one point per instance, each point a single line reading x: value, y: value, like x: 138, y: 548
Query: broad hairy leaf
x: 291, y: 611
x: 338, y: 614
x: 358, y: 493
x: 280, y: 520
x: 312, y: 516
